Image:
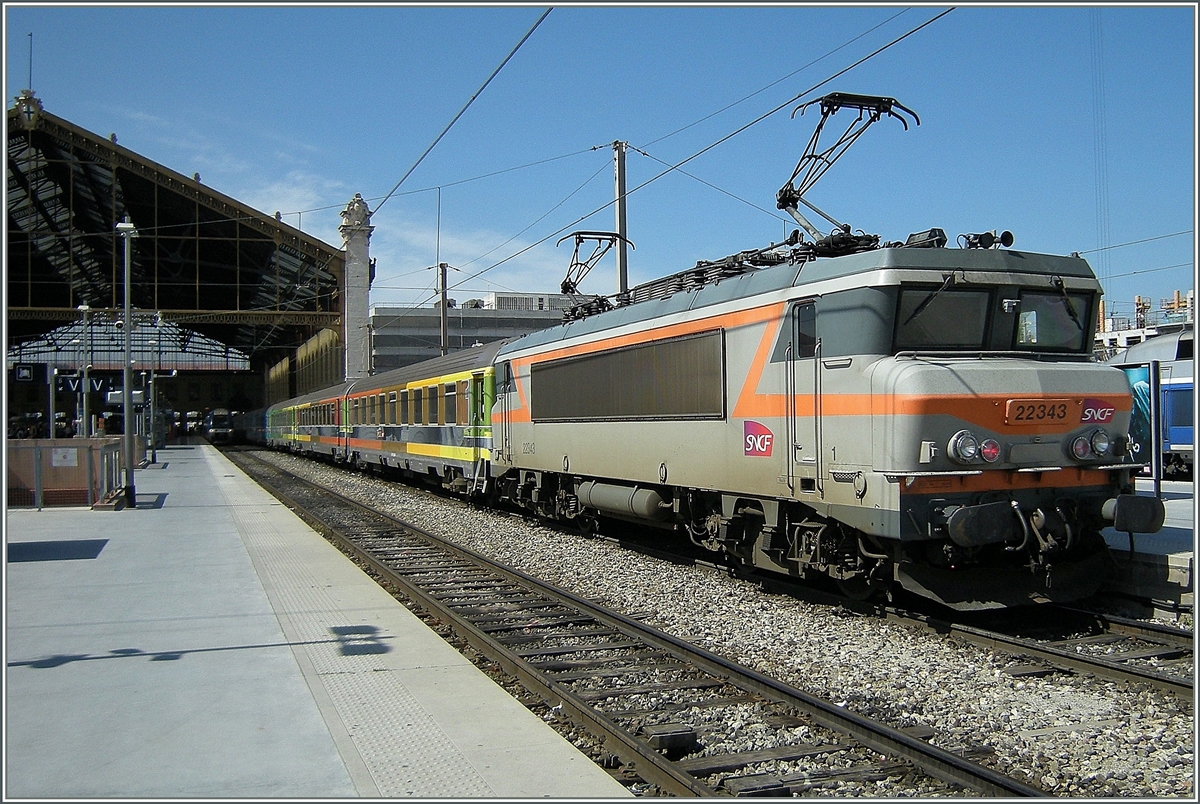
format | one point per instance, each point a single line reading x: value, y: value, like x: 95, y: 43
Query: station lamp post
x: 128, y: 231
x: 86, y: 423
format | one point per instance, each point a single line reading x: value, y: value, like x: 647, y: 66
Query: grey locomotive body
x: 926, y: 416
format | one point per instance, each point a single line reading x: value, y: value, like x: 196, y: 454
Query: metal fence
x: 45, y: 472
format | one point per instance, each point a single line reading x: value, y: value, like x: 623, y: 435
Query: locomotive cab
x: 1006, y: 445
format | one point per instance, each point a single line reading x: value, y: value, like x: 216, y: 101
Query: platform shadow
x: 151, y: 502
x: 60, y: 550
x: 351, y: 640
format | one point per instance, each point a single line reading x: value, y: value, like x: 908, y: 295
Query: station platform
x: 1159, y: 566
x: 209, y: 644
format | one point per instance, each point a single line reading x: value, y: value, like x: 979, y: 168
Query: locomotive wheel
x: 587, y: 526
x: 856, y: 587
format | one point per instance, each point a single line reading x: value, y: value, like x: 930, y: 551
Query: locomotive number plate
x: 1035, y: 411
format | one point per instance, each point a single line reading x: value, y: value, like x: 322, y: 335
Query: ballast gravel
x: 1073, y: 736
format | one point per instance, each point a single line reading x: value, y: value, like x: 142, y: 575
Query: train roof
x: 1166, y: 347
x: 463, y: 360
x: 765, y: 280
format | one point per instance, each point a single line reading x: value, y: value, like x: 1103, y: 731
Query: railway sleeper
x: 498, y: 628
x: 793, y: 785
x: 644, y: 689
x: 721, y: 763
x: 526, y: 639
x: 613, y: 672
x: 562, y: 665
x: 489, y: 611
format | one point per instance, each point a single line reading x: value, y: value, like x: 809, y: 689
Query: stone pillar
x: 356, y: 242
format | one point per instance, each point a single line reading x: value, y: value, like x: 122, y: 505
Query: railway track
x: 665, y: 708
x: 1062, y: 638
x: 1074, y: 640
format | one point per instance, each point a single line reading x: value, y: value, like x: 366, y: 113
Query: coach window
x: 382, y: 409
x: 418, y: 406
x: 451, y: 406
x: 393, y: 413
x: 464, y: 403
x: 432, y: 398
x: 405, y: 415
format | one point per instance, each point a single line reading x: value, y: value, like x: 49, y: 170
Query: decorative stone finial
x: 356, y: 212
x: 29, y: 106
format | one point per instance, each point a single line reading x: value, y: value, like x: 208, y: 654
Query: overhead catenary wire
x: 466, y: 106
x: 1135, y: 242
x: 778, y: 81
x: 722, y: 140
x: 439, y: 137
x: 735, y: 197
x: 547, y: 160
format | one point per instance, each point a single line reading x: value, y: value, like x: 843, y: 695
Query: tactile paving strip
x: 404, y: 749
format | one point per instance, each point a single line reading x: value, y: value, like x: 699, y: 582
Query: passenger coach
x: 431, y: 420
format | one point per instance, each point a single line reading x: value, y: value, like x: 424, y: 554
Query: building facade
x: 401, y: 336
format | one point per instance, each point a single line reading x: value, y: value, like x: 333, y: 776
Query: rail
x: 532, y: 630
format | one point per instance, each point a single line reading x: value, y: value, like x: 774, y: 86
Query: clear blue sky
x: 1072, y: 126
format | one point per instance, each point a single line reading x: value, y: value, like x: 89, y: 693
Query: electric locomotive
x: 879, y: 413
x: 886, y: 415
x: 920, y: 416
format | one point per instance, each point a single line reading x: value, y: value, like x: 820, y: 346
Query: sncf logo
x: 758, y: 440
x: 1096, y: 411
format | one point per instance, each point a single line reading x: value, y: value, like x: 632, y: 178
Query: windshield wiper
x: 1058, y: 283
x: 950, y: 280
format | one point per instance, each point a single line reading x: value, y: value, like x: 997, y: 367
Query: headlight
x: 963, y: 446
x: 1100, y: 442
x: 989, y: 450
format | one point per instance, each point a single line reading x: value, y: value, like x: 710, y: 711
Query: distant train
x: 887, y: 415
x: 219, y: 428
x: 1175, y: 355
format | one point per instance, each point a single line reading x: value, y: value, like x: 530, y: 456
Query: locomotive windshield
x: 1053, y: 322
x: 975, y: 319
x: 938, y: 318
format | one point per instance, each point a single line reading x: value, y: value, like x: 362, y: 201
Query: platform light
x: 127, y: 230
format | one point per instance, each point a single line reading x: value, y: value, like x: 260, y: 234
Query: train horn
x: 986, y: 239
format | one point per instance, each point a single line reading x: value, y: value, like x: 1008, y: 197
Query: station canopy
x: 201, y: 262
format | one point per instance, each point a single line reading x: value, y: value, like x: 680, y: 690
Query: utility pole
x: 622, y: 253
x: 127, y: 230
x: 445, y: 325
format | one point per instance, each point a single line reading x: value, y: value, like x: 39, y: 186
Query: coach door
x: 803, y: 401
x: 500, y: 440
